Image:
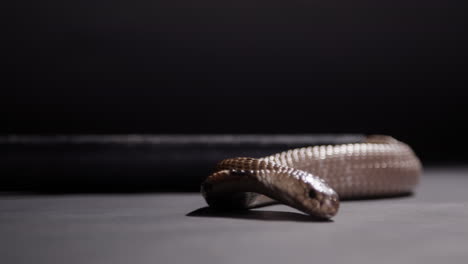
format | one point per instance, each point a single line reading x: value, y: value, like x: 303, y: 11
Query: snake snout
x: 330, y: 206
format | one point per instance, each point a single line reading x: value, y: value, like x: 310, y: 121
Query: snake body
x: 313, y: 179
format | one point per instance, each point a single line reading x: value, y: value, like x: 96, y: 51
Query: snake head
x: 236, y: 181
x: 318, y: 198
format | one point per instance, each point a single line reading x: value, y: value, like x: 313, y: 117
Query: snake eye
x: 312, y: 194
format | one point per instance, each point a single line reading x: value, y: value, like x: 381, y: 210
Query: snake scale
x: 314, y: 179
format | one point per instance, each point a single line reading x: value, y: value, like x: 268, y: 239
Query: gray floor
x: 430, y: 227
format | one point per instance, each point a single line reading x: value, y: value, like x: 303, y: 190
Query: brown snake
x: 314, y: 179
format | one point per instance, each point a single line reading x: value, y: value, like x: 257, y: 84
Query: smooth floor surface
x: 429, y: 227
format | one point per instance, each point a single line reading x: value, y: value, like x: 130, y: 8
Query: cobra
x: 314, y: 179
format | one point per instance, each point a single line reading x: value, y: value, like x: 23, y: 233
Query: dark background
x: 395, y: 67
x: 209, y: 66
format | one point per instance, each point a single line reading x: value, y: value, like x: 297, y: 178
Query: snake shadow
x: 267, y: 215
x: 259, y: 215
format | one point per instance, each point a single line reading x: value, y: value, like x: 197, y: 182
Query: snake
x: 315, y: 179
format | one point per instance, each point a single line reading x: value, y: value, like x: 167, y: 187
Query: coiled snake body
x: 314, y: 179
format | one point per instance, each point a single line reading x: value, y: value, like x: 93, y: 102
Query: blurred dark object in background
x: 262, y: 67
x: 132, y: 163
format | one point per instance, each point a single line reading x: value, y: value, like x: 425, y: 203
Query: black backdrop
x: 179, y: 66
